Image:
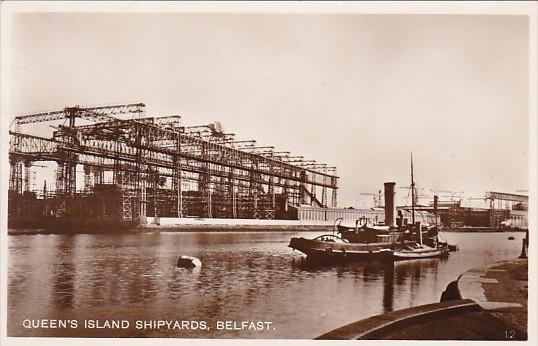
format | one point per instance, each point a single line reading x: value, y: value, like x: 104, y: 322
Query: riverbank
x: 199, y: 224
x: 490, y: 304
x: 227, y: 225
x: 192, y: 224
x: 218, y: 225
x: 236, y: 228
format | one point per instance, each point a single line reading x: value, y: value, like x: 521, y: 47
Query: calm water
x: 245, y: 276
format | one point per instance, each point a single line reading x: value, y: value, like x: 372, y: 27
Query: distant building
x: 307, y: 213
x: 374, y: 215
x: 426, y: 218
x: 453, y: 215
x: 517, y: 220
x: 449, y: 214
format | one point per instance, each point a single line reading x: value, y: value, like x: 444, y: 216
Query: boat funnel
x: 435, y: 207
x: 390, y: 210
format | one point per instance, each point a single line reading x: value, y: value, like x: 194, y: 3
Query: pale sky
x: 360, y: 92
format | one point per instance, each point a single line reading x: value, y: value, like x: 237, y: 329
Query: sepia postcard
x: 268, y: 172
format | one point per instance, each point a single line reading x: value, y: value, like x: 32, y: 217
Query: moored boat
x: 330, y: 248
x: 364, y: 231
x: 419, y: 250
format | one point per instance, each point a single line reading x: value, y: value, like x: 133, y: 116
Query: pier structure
x: 135, y: 166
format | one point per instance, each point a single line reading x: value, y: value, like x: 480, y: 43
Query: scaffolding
x: 163, y: 169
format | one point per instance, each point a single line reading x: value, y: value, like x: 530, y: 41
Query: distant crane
x: 376, y: 197
x: 452, y: 195
x: 416, y: 194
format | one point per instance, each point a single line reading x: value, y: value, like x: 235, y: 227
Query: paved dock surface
x: 502, y: 291
x: 493, y: 307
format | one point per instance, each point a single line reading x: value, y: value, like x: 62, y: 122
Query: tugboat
x: 419, y: 250
x: 364, y: 231
x: 359, y: 244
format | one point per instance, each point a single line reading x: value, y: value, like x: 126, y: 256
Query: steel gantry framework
x: 162, y: 168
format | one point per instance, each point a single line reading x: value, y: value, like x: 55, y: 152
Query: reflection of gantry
x: 165, y: 169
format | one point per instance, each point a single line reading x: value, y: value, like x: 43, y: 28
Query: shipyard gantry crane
x: 91, y: 113
x: 38, y: 148
x: 165, y: 169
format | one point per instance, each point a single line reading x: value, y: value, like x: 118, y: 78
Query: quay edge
x: 211, y: 224
x: 177, y: 225
x: 487, y: 304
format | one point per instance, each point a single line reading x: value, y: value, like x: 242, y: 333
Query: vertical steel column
x: 61, y: 185
x: 142, y: 196
x: 27, y: 166
x: 60, y: 178
x: 205, y: 180
x: 116, y: 173
x: 253, y: 188
x: 272, y: 187
x: 209, y: 204
x: 155, y: 191
x: 231, y: 190
x: 99, y: 173
x: 127, y: 212
x: 70, y: 175
x: 313, y: 194
x: 302, y: 188
x: 45, y: 204
x: 333, y: 203
x: 234, y: 202
x: 177, y: 176
x: 140, y: 177
x: 87, y: 178
x: 286, y: 197
x: 334, y: 182
x: 15, y: 181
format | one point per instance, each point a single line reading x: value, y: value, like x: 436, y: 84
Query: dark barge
x: 333, y: 249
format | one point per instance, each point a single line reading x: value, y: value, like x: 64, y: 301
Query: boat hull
x: 420, y: 254
x: 331, y: 252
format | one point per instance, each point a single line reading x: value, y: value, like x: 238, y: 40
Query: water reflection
x: 409, y: 275
x: 406, y: 275
x: 388, y: 287
x: 244, y: 276
x: 360, y: 272
x: 63, y: 275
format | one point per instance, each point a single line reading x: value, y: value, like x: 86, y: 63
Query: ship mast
x: 412, y: 193
x: 413, y: 202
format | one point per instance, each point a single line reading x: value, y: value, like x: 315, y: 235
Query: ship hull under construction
x: 70, y: 225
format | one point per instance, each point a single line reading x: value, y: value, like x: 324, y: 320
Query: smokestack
x: 435, y: 206
x: 390, y: 210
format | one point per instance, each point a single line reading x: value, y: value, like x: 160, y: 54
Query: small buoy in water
x: 188, y: 262
x: 511, y: 238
